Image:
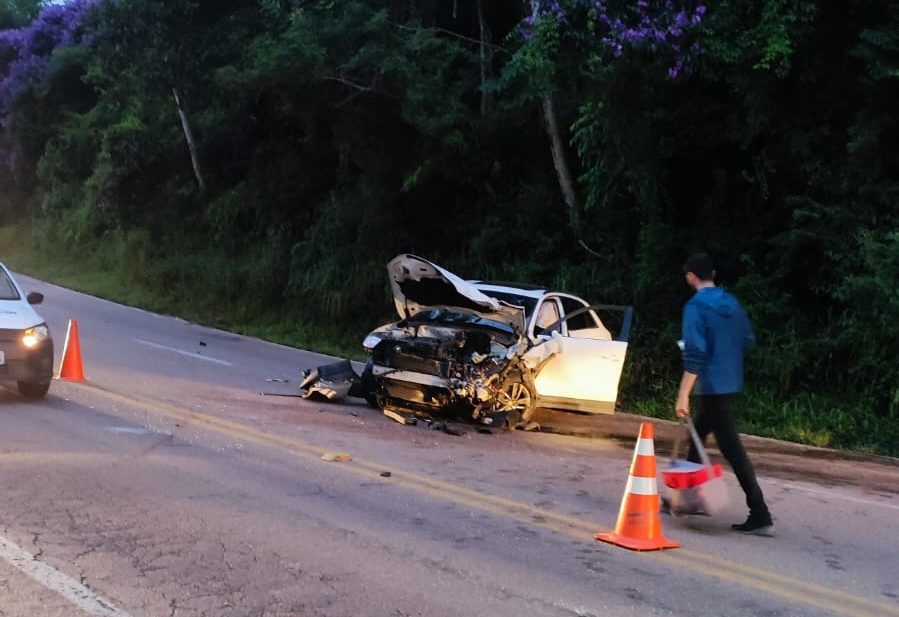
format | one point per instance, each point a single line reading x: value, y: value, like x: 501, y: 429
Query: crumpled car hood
x: 418, y: 284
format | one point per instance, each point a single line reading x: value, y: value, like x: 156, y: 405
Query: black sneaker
x: 755, y: 526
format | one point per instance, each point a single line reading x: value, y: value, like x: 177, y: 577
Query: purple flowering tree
x: 26, y: 53
x: 660, y: 27
x: 593, y: 35
x: 26, y: 56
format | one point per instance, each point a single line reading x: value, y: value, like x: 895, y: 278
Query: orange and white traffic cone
x: 71, y: 368
x: 639, y: 525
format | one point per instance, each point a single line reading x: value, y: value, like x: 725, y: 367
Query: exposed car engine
x: 426, y: 368
x: 432, y: 354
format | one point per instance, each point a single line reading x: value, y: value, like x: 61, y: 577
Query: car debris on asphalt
x: 336, y: 457
x: 335, y: 381
x: 409, y: 420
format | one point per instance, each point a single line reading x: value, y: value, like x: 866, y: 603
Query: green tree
x: 18, y: 13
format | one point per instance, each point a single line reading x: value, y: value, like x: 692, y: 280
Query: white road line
x: 814, y: 491
x: 189, y: 354
x: 53, y: 579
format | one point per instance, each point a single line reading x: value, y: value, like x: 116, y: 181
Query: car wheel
x: 516, y: 399
x: 33, y: 390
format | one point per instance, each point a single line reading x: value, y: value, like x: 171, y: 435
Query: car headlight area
x: 33, y: 337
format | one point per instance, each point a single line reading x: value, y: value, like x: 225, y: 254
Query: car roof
x: 521, y: 289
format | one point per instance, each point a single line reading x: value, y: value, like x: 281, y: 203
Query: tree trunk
x: 560, y: 161
x: 486, y: 59
x: 191, y: 144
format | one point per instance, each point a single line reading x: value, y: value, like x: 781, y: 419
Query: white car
x: 26, y: 348
x: 495, y: 350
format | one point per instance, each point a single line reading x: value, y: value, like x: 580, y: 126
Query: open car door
x: 584, y: 375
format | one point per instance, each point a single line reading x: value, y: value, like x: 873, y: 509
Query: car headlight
x: 371, y: 341
x: 35, y: 336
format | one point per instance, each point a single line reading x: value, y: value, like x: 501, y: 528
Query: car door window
x: 585, y: 324
x: 547, y: 315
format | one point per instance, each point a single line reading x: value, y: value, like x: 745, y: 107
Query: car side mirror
x: 35, y: 298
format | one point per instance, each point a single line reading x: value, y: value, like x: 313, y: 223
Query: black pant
x: 716, y: 415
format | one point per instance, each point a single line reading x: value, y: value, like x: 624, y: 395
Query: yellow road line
x: 774, y: 584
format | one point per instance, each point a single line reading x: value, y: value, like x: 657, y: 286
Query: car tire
x: 33, y: 390
x: 518, y: 399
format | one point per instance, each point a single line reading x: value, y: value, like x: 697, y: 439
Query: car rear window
x: 7, y: 289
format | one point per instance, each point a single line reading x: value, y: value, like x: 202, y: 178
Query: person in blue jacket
x: 716, y: 336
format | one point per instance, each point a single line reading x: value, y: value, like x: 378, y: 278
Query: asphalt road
x: 168, y: 486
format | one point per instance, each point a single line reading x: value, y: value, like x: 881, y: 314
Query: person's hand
x: 682, y: 408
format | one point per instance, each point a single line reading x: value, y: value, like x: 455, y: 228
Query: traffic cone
x: 71, y: 368
x: 639, y: 525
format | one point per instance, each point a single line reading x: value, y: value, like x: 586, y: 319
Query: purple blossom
x: 655, y: 25
x: 25, y: 53
x: 544, y: 8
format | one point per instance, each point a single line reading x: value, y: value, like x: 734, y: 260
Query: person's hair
x: 702, y: 265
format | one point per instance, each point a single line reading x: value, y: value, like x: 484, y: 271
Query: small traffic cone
x: 71, y: 368
x: 639, y: 525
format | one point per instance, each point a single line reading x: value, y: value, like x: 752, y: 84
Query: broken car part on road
x: 492, y: 352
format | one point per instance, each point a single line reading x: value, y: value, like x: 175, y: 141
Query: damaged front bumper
x: 502, y: 396
x: 336, y: 381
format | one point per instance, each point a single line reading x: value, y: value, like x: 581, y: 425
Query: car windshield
x: 443, y: 316
x: 526, y: 302
x: 7, y: 289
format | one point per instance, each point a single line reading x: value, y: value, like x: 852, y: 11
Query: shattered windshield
x: 443, y: 316
x: 526, y: 302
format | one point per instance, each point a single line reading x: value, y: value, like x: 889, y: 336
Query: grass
x: 92, y: 274
x: 813, y: 419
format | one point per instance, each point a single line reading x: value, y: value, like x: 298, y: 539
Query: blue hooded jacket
x: 716, y: 335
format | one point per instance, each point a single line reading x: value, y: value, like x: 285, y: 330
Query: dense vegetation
x: 263, y: 159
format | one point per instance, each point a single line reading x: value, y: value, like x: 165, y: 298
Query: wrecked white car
x: 495, y: 351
